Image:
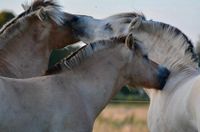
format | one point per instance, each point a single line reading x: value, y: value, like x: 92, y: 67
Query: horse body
x: 176, y: 107
x: 40, y: 105
x: 70, y: 101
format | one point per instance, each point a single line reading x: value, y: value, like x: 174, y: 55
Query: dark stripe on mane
x: 11, y: 22
x: 74, y: 53
x: 37, y: 4
x: 178, y: 32
x: 131, y: 14
x: 57, y: 68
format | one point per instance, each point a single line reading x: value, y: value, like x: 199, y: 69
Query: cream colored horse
x: 27, y: 40
x: 42, y: 27
x: 70, y: 101
x: 177, y: 107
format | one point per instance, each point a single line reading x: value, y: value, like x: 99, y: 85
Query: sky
x: 184, y: 14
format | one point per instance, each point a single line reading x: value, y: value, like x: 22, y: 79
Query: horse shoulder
x: 194, y: 91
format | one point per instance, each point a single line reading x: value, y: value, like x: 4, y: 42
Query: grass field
x: 122, y: 118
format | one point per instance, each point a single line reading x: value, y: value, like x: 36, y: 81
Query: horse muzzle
x: 162, y: 77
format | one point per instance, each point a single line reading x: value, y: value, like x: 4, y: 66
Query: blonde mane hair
x: 43, y: 9
x: 81, y: 54
x: 165, y: 44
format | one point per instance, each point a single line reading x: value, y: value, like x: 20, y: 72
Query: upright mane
x: 132, y: 14
x: 81, y: 54
x: 166, y: 44
x: 42, y: 8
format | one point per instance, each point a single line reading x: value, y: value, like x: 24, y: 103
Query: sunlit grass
x: 122, y: 118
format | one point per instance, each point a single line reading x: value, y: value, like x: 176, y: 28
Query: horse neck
x: 23, y: 55
x: 172, y: 49
x: 99, y: 78
x: 166, y: 45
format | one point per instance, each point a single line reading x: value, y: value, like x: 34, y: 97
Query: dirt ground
x: 122, y: 118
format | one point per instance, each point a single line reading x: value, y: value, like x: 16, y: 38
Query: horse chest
x: 169, y: 114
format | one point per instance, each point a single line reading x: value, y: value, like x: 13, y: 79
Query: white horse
x: 70, y: 101
x: 177, y: 107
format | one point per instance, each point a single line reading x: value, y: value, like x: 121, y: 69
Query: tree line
x: 5, y: 16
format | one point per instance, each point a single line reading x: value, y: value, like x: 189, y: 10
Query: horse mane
x: 197, y: 49
x: 49, y: 8
x: 81, y: 54
x: 169, y: 45
x: 130, y: 14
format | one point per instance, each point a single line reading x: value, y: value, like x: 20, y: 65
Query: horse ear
x: 130, y: 41
x: 42, y: 14
x: 54, y: 14
x: 25, y: 7
x: 135, y: 23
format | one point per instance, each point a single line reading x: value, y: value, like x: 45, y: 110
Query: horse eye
x: 146, y: 57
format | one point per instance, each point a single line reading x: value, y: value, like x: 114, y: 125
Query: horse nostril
x: 74, y: 19
x: 165, y: 72
x: 163, y: 76
x: 71, y: 21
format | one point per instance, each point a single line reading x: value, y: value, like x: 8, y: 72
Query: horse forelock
x: 179, y: 50
x: 84, y: 52
x: 49, y: 8
x: 39, y: 3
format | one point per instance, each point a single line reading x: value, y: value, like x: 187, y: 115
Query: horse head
x: 89, y: 29
x: 141, y: 70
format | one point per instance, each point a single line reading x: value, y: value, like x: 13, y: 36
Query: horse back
x: 38, y: 104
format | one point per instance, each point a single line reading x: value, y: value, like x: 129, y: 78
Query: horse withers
x: 175, y: 108
x: 72, y: 99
